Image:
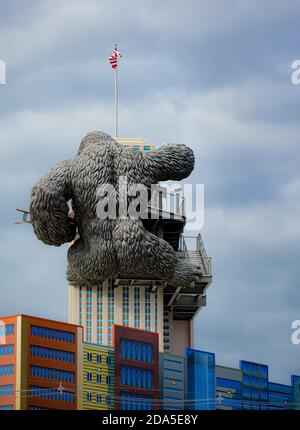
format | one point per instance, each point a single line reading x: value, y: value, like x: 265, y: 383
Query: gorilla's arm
x: 49, y: 209
x: 169, y: 162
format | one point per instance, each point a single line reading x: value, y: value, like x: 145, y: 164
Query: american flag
x: 113, y: 59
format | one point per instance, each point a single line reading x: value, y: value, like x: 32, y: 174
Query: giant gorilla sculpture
x: 106, y: 247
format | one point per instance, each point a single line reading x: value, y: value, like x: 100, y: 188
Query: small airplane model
x: 25, y: 217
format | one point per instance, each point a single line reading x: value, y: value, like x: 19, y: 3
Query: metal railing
x: 169, y: 203
x: 192, y: 248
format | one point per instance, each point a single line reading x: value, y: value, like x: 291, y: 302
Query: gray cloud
x: 213, y: 75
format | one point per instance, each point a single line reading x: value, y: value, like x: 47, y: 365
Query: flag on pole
x: 113, y: 59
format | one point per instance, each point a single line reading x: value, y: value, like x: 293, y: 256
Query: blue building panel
x: 201, y: 387
x: 172, y: 382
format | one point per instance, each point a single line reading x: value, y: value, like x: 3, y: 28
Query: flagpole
x: 116, y: 98
x: 116, y: 102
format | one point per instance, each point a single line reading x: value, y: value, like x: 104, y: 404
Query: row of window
x: 49, y: 333
x: 7, y: 370
x: 136, y: 377
x: 90, y: 398
x: 38, y: 408
x: 254, y: 393
x: 6, y: 390
x: 89, y: 358
x: 52, y: 354
x: 46, y: 373
x: 99, y: 313
x: 6, y: 407
x: 134, y: 402
x: 136, y: 350
x: 6, y: 350
x: 138, y: 148
x: 255, y: 381
x: 89, y: 378
x: 254, y: 369
x: 89, y: 314
x: 7, y: 329
x: 52, y: 394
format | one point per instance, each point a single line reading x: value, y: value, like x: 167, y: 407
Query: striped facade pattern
x: 97, y: 309
x: 98, y: 376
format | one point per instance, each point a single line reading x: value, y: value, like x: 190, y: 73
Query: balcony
x: 192, y: 249
x: 166, y: 205
x: 186, y: 303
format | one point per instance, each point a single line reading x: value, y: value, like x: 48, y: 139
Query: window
x: 6, y: 350
x: 6, y: 390
x: 147, y: 309
x: 108, y: 360
x: 246, y: 392
x: 125, y: 307
x: 89, y: 357
x: 99, y: 398
x: 89, y: 376
x: 49, y: 333
x: 108, y: 400
x: 89, y: 397
x: 136, y: 377
x: 147, y: 148
x: 7, y: 370
x: 136, y: 350
x: 99, y: 379
x: 7, y: 329
x: 135, y: 402
x: 99, y: 359
x: 52, y: 354
x: 110, y: 310
x: 6, y: 407
x: 108, y: 380
x: 246, y: 380
x: 52, y: 394
x: 48, y: 373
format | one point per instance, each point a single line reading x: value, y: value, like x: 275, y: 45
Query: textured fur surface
x: 105, y: 247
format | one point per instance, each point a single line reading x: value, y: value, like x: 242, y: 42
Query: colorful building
x: 136, y: 369
x: 172, y: 382
x: 45, y: 364
x: 96, y: 378
x: 38, y: 363
x: 228, y: 388
x: 200, y: 380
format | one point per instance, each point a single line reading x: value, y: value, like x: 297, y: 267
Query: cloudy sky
x: 215, y: 75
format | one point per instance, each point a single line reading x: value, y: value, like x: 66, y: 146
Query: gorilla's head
x: 95, y: 137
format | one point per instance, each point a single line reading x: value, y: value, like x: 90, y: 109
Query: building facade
x: 172, y: 382
x: 9, y: 365
x: 200, y: 380
x: 136, y: 369
x: 97, y: 378
x: 97, y: 309
x: 228, y: 388
x: 38, y: 359
x: 45, y: 364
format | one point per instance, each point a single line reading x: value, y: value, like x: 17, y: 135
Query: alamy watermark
x: 295, y: 77
x: 158, y: 202
x: 2, y: 73
x: 296, y: 333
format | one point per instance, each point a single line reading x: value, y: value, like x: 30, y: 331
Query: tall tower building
x: 140, y: 300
